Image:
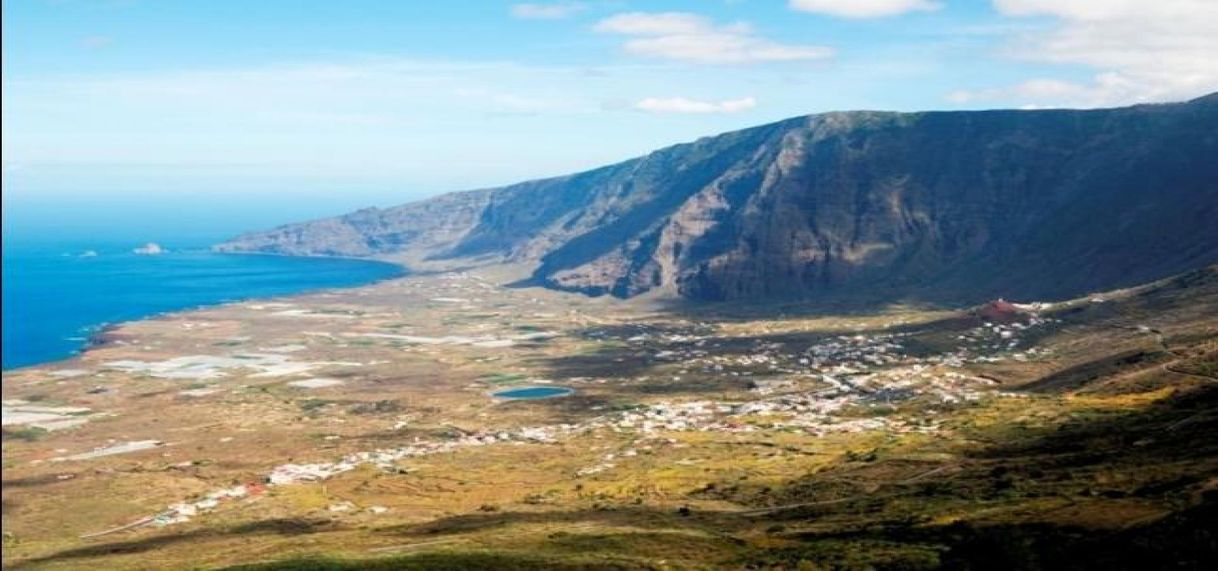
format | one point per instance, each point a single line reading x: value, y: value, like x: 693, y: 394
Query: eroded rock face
x: 962, y: 205
x: 423, y: 227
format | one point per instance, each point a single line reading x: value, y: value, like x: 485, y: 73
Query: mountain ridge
x: 960, y: 205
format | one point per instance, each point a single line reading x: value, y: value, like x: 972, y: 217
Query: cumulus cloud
x: 558, y: 11
x: 683, y: 105
x: 682, y: 36
x: 1141, y: 51
x: 863, y: 8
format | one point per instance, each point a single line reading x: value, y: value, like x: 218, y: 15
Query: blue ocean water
x: 56, y: 295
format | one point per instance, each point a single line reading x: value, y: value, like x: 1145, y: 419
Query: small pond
x: 525, y: 393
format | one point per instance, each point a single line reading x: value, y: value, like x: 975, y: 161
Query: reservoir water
x: 529, y: 393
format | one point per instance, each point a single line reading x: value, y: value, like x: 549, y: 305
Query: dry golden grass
x: 1118, y: 452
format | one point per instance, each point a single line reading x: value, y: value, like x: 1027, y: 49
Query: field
x: 358, y: 429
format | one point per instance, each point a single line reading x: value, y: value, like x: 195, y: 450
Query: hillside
x: 938, y: 205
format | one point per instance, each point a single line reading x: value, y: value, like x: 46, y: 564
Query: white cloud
x: 654, y: 24
x: 864, y: 8
x: 1031, y: 90
x: 558, y: 11
x: 1141, y: 51
x: 683, y: 105
x: 692, y: 38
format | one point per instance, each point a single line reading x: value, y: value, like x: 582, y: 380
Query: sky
x: 224, y: 115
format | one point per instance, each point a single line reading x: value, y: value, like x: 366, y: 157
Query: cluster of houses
x: 182, y: 512
x: 996, y: 340
x: 830, y: 386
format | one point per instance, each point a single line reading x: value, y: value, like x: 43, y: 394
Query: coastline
x: 102, y: 334
x: 358, y: 406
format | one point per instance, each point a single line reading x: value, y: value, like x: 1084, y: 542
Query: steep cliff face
x: 951, y: 205
x: 418, y: 228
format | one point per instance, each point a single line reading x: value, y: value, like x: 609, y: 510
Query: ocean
x: 57, y: 295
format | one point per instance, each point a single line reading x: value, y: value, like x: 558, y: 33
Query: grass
x: 503, y: 378
x: 25, y: 433
x: 313, y: 404
x: 1069, y: 477
x: 455, y: 561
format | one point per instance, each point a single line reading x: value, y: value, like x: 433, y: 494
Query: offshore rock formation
x: 966, y: 206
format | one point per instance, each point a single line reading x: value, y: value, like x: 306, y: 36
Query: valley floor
x: 360, y: 428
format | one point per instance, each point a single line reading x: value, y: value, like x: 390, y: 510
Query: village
x: 834, y: 384
x: 411, y: 400
x: 429, y: 366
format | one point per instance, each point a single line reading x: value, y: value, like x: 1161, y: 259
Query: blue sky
x: 343, y: 104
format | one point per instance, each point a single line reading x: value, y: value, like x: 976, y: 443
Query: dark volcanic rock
x: 942, y: 205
